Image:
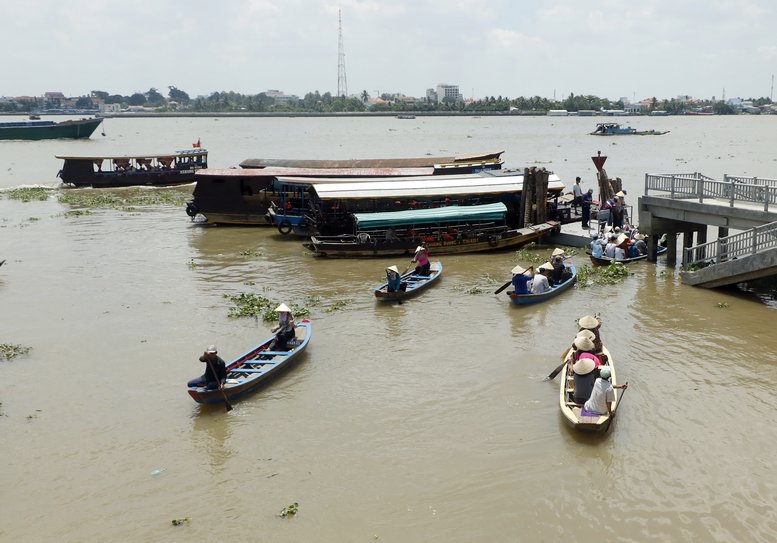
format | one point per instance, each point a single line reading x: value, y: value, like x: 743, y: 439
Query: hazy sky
x: 608, y: 48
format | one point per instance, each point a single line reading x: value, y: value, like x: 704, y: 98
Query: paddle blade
x: 500, y: 289
x: 555, y: 372
x: 228, y: 406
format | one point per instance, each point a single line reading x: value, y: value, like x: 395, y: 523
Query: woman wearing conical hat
x: 285, y: 330
x: 394, y: 280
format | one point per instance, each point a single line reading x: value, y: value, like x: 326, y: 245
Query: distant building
x: 448, y: 93
x: 109, y: 108
x: 281, y: 97
x: 431, y: 95
x: 632, y: 109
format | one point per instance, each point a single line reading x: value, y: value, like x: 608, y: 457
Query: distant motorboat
x: 615, y: 129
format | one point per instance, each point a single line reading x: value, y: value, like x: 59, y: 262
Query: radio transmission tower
x: 342, y: 83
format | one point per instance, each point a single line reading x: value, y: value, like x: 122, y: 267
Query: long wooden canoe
x: 571, y: 412
x: 606, y: 260
x: 250, y: 370
x: 526, y: 299
x: 415, y: 284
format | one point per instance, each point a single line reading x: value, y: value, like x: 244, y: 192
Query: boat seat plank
x: 273, y: 353
x: 251, y: 370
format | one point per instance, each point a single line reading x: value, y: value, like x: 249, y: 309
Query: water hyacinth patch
x: 124, y: 199
x: 9, y: 352
x: 602, y: 275
x: 28, y: 194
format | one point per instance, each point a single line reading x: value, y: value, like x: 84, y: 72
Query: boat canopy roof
x: 176, y: 154
x: 302, y: 176
x: 428, y: 186
x: 484, y: 213
x: 417, y: 162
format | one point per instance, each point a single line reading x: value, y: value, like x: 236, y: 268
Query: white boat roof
x: 428, y: 186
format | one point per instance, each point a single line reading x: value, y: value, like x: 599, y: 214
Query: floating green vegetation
x: 251, y: 253
x: 33, y: 219
x: 77, y: 213
x: 255, y: 305
x: 488, y: 279
x: 289, y: 510
x: 123, y: 200
x: 530, y: 254
x: 180, y: 521
x: 602, y: 275
x: 338, y: 305
x: 313, y: 301
x: 472, y: 291
x: 721, y: 305
x: 696, y: 266
x: 9, y: 352
x: 192, y: 264
x: 28, y: 194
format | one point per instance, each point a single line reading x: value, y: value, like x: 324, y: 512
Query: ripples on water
x: 427, y: 420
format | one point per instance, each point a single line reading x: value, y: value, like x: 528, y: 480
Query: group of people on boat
x: 215, y: 375
x: 546, y: 276
x: 591, y: 371
x: 423, y: 268
x: 618, y: 244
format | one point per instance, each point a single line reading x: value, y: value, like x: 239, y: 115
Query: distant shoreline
x: 402, y: 115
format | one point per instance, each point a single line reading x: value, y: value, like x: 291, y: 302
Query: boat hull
x: 44, y: 130
x: 606, y: 260
x: 248, y: 372
x: 349, y: 246
x: 528, y: 299
x: 416, y: 284
x: 419, y: 162
x: 571, y: 412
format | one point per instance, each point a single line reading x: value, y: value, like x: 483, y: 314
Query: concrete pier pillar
x: 701, y: 239
x: 652, y: 244
x: 671, y: 248
x: 722, y: 231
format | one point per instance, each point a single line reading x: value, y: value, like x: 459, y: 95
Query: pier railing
x: 739, y: 245
x: 696, y: 186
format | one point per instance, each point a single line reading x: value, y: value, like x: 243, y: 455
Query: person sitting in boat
x: 609, y: 249
x: 621, y: 247
x: 285, y: 330
x: 592, y: 324
x: 583, y: 366
x: 522, y: 278
x: 542, y: 280
x: 597, y: 249
x: 215, y: 371
x: 421, y: 260
x: 394, y: 280
x: 639, y: 244
x: 557, y: 262
x: 602, y: 394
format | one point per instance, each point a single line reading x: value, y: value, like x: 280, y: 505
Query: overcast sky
x: 608, y: 48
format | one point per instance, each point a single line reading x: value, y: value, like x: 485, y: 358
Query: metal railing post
x: 720, y: 251
x: 755, y: 240
x: 700, y: 185
x: 671, y: 187
x: 647, y: 175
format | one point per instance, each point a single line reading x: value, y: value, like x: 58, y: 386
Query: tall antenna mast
x: 342, y: 83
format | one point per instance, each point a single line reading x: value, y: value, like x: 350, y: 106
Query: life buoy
x: 493, y: 241
x: 284, y: 227
x: 191, y: 209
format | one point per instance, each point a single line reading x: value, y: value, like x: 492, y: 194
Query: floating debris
x: 602, y: 275
x: 9, y: 352
x: 289, y: 510
x: 180, y: 521
x: 28, y: 194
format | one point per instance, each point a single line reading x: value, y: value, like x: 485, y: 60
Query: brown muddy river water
x: 426, y: 421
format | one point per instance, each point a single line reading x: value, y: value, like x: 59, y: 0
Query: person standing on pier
x: 587, y: 200
x: 577, y: 194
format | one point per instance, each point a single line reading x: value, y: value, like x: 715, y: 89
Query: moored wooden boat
x: 133, y: 170
x: 572, y: 412
x: 252, y: 369
x: 526, y: 299
x: 415, y: 284
x: 48, y: 130
x: 480, y: 240
x: 606, y: 260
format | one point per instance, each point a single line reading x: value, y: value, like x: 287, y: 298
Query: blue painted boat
x: 526, y: 299
x: 415, y: 284
x: 248, y: 372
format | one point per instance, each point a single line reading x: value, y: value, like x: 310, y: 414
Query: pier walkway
x: 689, y: 204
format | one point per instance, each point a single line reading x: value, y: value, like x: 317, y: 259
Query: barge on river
x: 48, y: 130
x: 492, y: 158
x: 615, y: 129
x: 125, y: 171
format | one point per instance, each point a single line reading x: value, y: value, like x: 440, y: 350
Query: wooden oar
x: 221, y: 386
x: 500, y: 289
x: 620, y: 396
x: 555, y: 372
